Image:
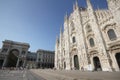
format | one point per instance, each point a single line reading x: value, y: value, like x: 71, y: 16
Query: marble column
x: 6, y: 56
x: 17, y: 62
x: 24, y: 63
x: 4, y: 63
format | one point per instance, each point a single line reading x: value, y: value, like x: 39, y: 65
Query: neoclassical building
x: 13, y: 54
x: 91, y: 39
x: 45, y: 59
x: 31, y: 60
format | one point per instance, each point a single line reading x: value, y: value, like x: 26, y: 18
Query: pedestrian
x: 82, y: 68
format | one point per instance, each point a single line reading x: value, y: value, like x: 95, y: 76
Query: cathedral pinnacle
x: 61, y: 30
x: 66, y: 17
x: 75, y: 6
x: 89, y: 5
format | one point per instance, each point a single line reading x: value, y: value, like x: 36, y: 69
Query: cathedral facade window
x: 91, y: 41
x: 111, y: 34
x: 73, y: 40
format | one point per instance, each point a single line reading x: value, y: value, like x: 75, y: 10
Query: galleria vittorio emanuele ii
x: 91, y: 39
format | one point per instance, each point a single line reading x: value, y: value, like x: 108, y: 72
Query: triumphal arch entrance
x: 14, y: 54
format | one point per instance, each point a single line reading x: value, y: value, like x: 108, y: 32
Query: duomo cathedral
x: 90, y: 40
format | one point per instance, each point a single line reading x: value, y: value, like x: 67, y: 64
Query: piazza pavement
x: 48, y: 74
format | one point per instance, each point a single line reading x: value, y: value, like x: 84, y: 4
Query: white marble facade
x: 91, y: 39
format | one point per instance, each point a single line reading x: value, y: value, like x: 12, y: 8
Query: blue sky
x: 36, y: 22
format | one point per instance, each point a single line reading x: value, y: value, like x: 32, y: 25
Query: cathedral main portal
x: 76, y: 62
x: 118, y: 59
x: 97, y: 65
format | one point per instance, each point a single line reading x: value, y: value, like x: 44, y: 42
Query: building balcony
x: 113, y: 45
x: 73, y: 46
x: 92, y: 50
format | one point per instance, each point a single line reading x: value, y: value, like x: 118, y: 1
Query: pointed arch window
x: 73, y: 40
x: 91, y: 41
x: 111, y: 34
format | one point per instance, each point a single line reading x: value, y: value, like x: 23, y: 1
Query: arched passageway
x: 97, y: 65
x: 1, y: 63
x: 12, y: 58
x: 118, y: 59
x: 76, y: 62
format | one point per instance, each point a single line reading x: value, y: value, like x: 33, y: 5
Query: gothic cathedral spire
x: 66, y: 17
x: 89, y: 5
x: 75, y: 5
